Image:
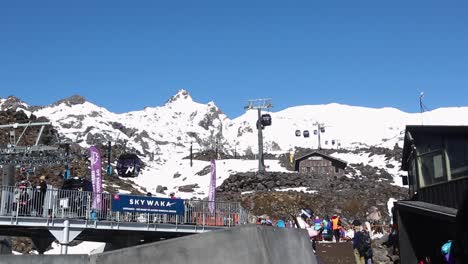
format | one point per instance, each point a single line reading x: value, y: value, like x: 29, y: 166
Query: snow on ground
x: 374, y: 161
x: 177, y: 172
x: 82, y: 248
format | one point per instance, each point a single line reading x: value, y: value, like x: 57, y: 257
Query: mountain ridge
x: 162, y: 135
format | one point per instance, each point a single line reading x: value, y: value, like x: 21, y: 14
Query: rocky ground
x: 349, y: 197
x: 382, y: 253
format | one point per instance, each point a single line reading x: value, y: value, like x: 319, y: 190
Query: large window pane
x: 457, y: 151
x: 432, y: 168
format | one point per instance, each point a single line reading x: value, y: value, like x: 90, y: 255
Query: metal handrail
x: 22, y: 201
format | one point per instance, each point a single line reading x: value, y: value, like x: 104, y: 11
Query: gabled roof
x: 416, y: 131
x: 341, y: 163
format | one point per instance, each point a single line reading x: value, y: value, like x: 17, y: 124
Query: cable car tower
x: 262, y: 121
x: 320, y: 129
x: 15, y: 155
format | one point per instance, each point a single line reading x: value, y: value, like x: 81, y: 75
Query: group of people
x: 330, y: 229
x: 27, y: 199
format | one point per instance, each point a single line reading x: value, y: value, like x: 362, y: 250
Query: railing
x: 60, y: 204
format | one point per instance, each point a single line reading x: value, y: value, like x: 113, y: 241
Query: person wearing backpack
x: 357, y: 244
x: 362, y: 245
x: 368, y: 252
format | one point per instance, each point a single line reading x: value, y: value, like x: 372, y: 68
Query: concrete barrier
x: 245, y: 244
x: 249, y: 244
x: 44, y: 259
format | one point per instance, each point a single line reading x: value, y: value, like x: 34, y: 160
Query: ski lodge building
x: 319, y: 163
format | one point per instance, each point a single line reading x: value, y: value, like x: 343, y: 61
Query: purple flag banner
x: 212, y: 191
x: 96, y: 176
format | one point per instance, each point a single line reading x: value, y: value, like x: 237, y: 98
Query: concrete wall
x: 44, y: 259
x: 247, y: 245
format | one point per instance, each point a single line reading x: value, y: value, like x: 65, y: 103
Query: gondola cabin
x: 306, y: 133
x: 436, y: 159
x: 298, y: 133
x: 128, y: 165
x: 266, y: 120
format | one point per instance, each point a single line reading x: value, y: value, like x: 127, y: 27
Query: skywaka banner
x: 96, y: 176
x: 212, y: 191
x: 145, y: 204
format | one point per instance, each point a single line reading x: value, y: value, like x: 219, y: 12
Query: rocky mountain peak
x: 181, y: 95
x: 13, y: 103
x: 72, y: 100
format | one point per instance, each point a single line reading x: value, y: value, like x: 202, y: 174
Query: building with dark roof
x: 319, y: 163
x: 436, y: 159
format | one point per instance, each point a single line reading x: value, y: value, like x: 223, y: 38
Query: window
x: 337, y: 170
x: 308, y: 169
x: 432, y: 168
x: 321, y: 170
x: 457, y: 151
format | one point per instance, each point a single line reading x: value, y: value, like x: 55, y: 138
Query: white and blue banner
x: 147, y: 204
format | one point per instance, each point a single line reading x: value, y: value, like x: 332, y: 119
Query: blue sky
x: 125, y: 55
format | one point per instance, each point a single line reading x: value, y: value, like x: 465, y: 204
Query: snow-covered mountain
x: 163, y: 135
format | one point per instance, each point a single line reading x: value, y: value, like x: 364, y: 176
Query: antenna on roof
x: 422, y: 107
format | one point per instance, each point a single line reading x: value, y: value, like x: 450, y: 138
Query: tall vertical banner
x: 96, y: 176
x: 212, y: 192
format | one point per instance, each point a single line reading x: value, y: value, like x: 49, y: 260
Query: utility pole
x: 216, y: 149
x: 235, y: 151
x: 109, y: 154
x: 320, y: 126
x: 191, y: 154
x: 259, y: 104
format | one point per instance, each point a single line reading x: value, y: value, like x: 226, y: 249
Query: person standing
x: 362, y: 245
x: 317, y: 223
x: 357, y: 244
x: 42, y: 193
x: 368, y: 254
x: 327, y: 231
x: 336, y: 227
